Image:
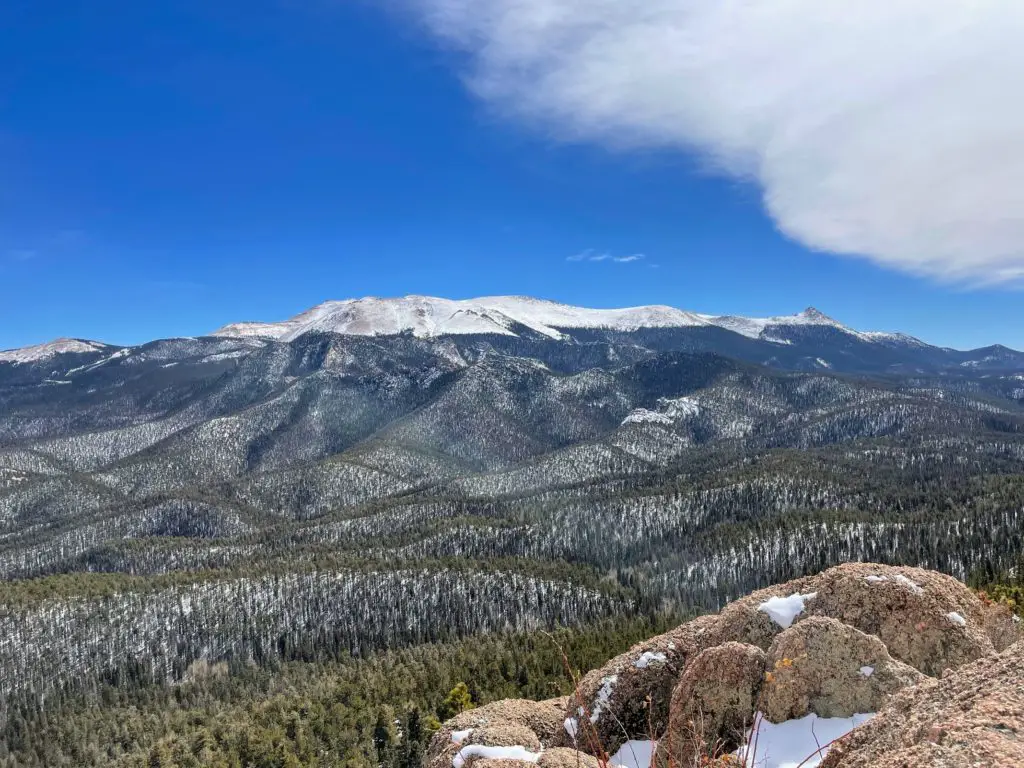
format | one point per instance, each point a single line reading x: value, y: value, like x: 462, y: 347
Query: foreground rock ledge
x: 973, y: 716
x: 853, y: 637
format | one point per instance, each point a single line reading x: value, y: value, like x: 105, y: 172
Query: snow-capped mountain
x: 428, y: 317
x: 53, y: 348
x: 519, y: 325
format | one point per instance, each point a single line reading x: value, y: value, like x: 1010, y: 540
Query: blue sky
x: 166, y: 168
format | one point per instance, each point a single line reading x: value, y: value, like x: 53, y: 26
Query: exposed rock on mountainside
x: 853, y: 640
x: 973, y: 716
x: 824, y: 666
x: 714, y: 698
x: 508, y: 723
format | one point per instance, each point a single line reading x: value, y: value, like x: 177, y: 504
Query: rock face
x: 830, y: 669
x: 629, y: 697
x: 973, y: 716
x: 712, y: 706
x: 853, y: 639
x: 913, y: 611
x: 561, y: 757
x: 510, y: 723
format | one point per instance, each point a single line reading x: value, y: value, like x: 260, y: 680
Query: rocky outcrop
x: 839, y: 643
x: 973, y: 716
x: 830, y: 669
x: 531, y: 725
x: 628, y: 698
x: 925, y: 619
x: 930, y: 621
x: 712, y: 706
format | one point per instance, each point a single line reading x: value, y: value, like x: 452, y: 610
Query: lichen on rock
x: 817, y: 666
x: 972, y: 716
x: 714, y: 703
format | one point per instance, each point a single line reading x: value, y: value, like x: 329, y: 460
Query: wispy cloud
x: 174, y: 286
x: 590, y: 255
x: 888, y: 130
x: 46, y: 247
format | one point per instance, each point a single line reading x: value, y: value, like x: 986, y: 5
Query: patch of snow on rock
x: 680, y: 407
x: 956, y: 618
x: 867, y: 671
x: 634, y: 754
x: 604, y: 696
x: 647, y: 658
x: 875, y: 579
x: 494, y: 753
x: 783, y: 610
x: 671, y: 410
x: 460, y: 736
x: 915, y: 588
x: 795, y: 742
x: 643, y: 416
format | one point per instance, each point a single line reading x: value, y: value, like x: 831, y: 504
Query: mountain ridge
x: 510, y: 316
x: 430, y: 317
x: 529, y: 327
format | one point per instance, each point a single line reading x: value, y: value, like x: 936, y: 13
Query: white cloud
x: 590, y: 255
x: 891, y: 129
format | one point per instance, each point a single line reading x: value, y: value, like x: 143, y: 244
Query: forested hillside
x: 244, y: 530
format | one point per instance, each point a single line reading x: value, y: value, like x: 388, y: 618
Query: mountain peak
x: 45, y: 351
x: 815, y: 314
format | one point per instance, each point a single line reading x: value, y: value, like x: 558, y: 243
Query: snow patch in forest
x: 460, y: 736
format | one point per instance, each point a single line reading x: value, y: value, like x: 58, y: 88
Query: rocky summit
x: 860, y: 665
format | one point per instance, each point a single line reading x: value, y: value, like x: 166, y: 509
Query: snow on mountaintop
x: 45, y: 351
x: 427, y: 317
x: 755, y: 327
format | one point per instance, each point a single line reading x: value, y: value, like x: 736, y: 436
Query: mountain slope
x: 249, y: 500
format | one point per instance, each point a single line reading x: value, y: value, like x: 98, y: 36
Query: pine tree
x: 456, y: 702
